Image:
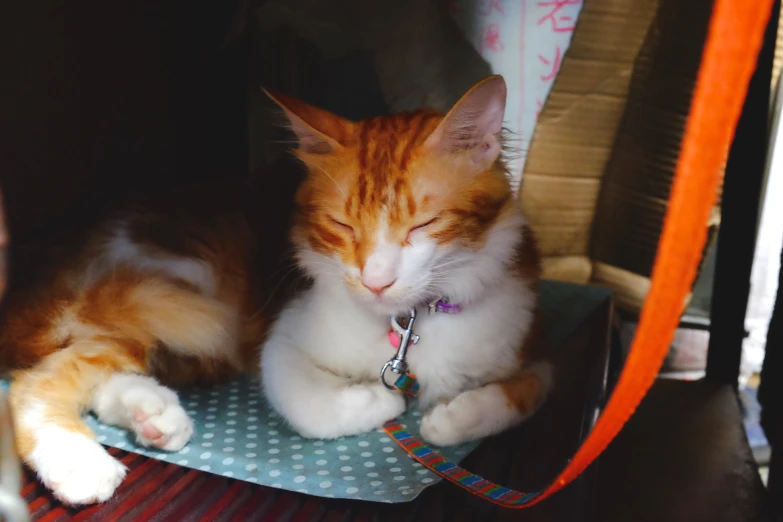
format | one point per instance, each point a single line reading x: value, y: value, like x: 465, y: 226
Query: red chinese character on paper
x: 561, y: 22
x: 487, y: 6
x: 491, y: 39
x: 453, y: 7
x: 554, y: 65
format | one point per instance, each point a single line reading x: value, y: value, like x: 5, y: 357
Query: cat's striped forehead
x: 383, y: 148
x: 383, y: 182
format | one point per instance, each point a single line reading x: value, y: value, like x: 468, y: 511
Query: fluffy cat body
x: 326, y: 336
x: 395, y: 211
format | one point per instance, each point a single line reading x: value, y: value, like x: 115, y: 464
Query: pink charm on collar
x: 394, y: 339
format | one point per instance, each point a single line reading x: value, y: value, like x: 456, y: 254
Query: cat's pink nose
x: 377, y: 289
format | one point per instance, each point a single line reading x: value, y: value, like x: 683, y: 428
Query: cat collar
x: 443, y: 306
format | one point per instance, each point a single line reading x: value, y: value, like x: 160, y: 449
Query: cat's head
x: 406, y: 208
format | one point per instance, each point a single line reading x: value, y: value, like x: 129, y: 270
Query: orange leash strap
x: 735, y: 36
x: 733, y: 42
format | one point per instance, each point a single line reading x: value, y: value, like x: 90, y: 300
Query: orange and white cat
x: 394, y: 212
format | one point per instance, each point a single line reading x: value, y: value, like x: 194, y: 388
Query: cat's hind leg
x: 151, y: 411
x: 47, y: 402
x: 487, y: 410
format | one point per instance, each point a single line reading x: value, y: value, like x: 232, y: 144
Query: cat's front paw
x: 157, y: 418
x: 470, y: 415
x: 352, y: 410
x: 76, y: 468
x: 450, y: 423
x: 368, y: 406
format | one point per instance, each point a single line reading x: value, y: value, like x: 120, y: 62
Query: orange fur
x: 102, y: 314
x: 98, y: 316
x: 526, y: 390
x: 384, y: 162
x: 62, y: 382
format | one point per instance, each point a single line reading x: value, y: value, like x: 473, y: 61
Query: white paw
x: 468, y: 416
x: 443, y: 426
x: 373, y: 403
x: 156, y: 416
x: 366, y: 407
x: 77, y: 469
x: 350, y: 411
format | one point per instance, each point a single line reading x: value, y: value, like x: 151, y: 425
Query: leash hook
x: 397, y: 364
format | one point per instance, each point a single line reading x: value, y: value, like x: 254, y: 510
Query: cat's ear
x: 318, y: 131
x: 473, y: 125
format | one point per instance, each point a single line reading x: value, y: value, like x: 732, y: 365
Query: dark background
x: 101, y: 99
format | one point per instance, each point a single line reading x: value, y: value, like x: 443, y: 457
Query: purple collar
x: 398, y: 333
x: 443, y: 306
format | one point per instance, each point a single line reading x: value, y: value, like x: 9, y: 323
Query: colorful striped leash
x: 401, y: 337
x: 463, y: 478
x: 733, y: 42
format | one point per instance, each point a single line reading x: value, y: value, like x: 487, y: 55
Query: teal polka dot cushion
x: 237, y: 434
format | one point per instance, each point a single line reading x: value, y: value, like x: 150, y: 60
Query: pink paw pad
x: 148, y: 431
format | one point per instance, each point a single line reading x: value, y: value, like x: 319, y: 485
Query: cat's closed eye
x: 346, y: 227
x: 421, y: 226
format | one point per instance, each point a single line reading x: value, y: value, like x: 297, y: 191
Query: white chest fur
x: 455, y: 351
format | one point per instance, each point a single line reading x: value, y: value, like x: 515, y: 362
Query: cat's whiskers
x: 463, y: 259
x: 294, y: 268
x: 291, y: 270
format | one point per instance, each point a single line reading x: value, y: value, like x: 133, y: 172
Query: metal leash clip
x: 398, y: 364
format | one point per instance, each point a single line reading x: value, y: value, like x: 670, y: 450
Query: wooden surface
x: 683, y: 457
x: 526, y: 458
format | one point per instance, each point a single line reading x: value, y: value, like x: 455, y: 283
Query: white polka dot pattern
x: 259, y: 448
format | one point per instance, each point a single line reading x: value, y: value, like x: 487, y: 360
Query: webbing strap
x: 733, y: 42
